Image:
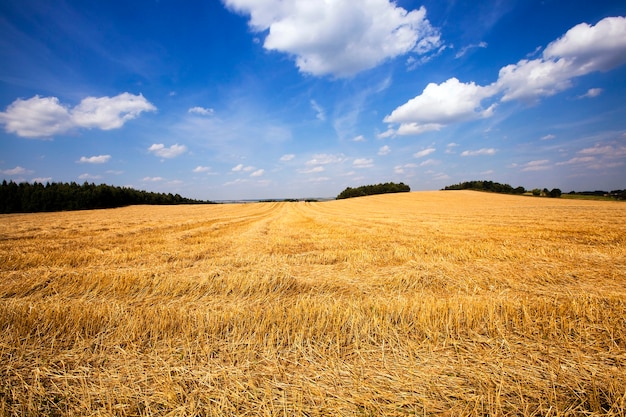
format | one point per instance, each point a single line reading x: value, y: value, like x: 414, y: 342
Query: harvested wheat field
x: 427, y: 303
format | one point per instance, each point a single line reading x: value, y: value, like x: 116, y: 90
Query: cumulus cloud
x: 384, y: 150
x: 287, y: 157
x: 479, y: 152
x: 173, y: 151
x: 359, y: 138
x: 108, y: 113
x: 100, y: 159
x: 442, y: 104
x: 202, y: 111
x: 257, y: 173
x: 45, y: 116
x: 424, y: 152
x: 341, y: 37
x: 152, y: 179
x: 582, y: 50
x: 200, y: 168
x: 548, y: 137
x: 363, y: 163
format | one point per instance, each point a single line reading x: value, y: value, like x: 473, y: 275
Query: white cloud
x: 529, y: 80
x: 384, y: 150
x: 36, y: 117
x: 424, y: 152
x: 400, y: 169
x: 46, y: 117
x: 152, y: 179
x: 202, y: 111
x: 592, y: 92
x: 287, y: 157
x: 87, y: 176
x: 325, y: 159
x: 18, y: 170
x: 41, y: 180
x: 450, y: 147
x: 441, y: 104
x: 200, y: 168
x: 173, y: 151
x: 608, y: 150
x: 100, y: 159
x: 479, y: 152
x: 582, y: 50
x: 539, y: 165
x: 319, y: 111
x: 108, y: 113
x: 429, y: 162
x: 363, y: 163
x: 578, y: 160
x: 548, y: 137
x: 241, y: 167
x: 592, y: 48
x: 464, y: 50
x: 386, y: 134
x: 313, y: 170
x: 339, y: 37
x: 359, y: 138
x: 257, y: 173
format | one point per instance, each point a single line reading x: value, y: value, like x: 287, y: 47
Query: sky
x: 256, y: 99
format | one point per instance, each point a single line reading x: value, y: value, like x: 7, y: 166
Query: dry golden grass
x: 429, y: 303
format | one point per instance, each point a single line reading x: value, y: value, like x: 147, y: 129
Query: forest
x: 37, y: 197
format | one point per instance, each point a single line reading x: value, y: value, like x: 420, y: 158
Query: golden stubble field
x: 427, y: 303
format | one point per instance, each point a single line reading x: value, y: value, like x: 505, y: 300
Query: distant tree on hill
x: 491, y: 186
x: 388, y: 187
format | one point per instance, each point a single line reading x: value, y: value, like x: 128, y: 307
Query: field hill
x: 423, y: 303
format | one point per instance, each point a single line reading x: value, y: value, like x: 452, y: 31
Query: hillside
x: 423, y: 303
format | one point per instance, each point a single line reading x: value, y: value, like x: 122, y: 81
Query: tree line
x: 496, y: 187
x: 388, y: 187
x: 491, y: 186
x: 37, y: 197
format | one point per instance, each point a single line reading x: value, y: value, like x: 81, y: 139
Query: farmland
x: 424, y: 303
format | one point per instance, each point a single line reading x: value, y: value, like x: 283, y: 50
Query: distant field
x: 427, y: 303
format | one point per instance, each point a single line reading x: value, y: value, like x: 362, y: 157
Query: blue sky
x: 253, y: 99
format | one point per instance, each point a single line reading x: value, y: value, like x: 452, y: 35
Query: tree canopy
x: 388, y: 187
x: 28, y: 198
